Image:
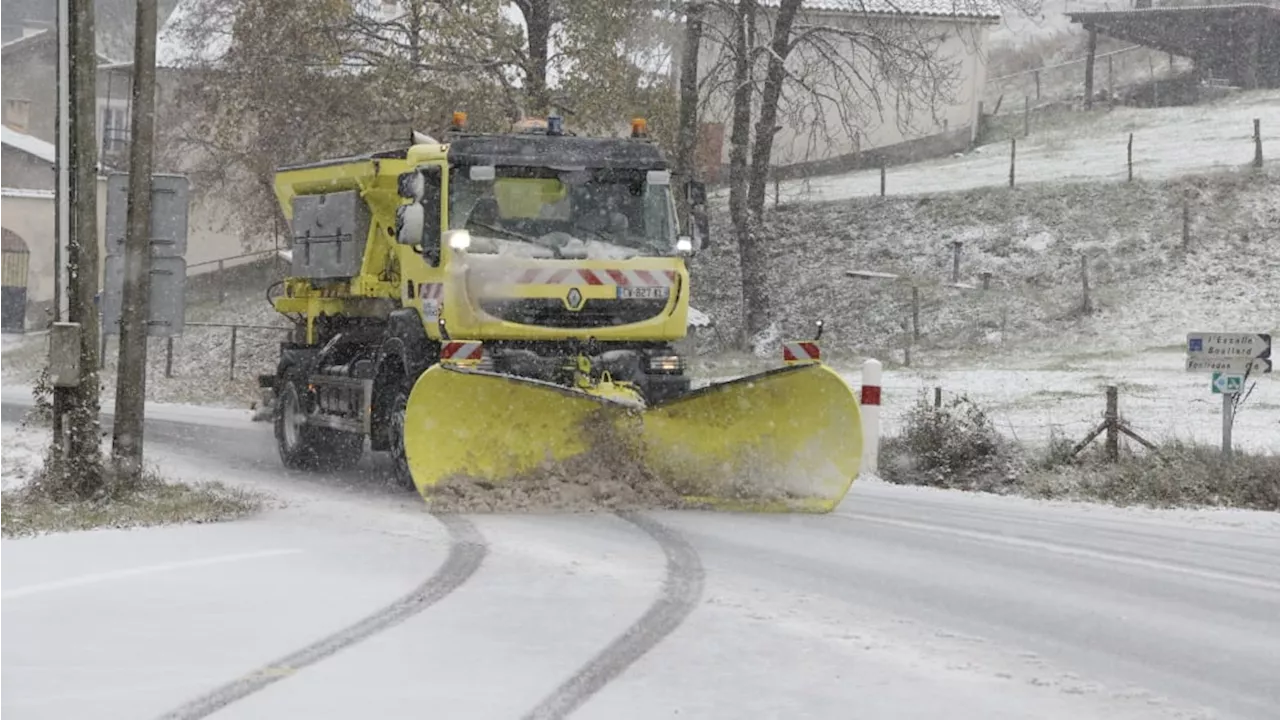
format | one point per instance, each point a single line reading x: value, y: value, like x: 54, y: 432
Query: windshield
x: 580, y: 213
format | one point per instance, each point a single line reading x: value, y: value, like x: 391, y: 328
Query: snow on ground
x: 21, y: 454
x: 1157, y: 397
x: 202, y: 361
x: 1225, y: 519
x: 1168, y: 142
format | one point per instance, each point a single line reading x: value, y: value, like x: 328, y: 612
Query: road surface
x: 352, y: 601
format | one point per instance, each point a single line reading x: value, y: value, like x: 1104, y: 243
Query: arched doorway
x: 14, y: 259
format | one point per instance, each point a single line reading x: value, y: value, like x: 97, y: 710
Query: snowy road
x: 905, y: 603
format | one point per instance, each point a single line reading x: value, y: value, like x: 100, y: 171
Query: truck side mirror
x: 410, y: 223
x: 433, y: 207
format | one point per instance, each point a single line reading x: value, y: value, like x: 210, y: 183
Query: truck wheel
x: 305, y: 447
x: 400, y: 474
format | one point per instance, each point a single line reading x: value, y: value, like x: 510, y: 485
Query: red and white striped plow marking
x: 462, y: 352
x: 797, y: 353
x: 870, y: 411
x: 586, y: 276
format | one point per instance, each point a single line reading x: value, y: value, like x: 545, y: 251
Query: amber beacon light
x: 639, y: 127
x: 459, y: 119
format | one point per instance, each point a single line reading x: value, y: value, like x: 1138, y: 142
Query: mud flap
x: 788, y: 440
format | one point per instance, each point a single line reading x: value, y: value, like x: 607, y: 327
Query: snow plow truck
x: 486, y: 304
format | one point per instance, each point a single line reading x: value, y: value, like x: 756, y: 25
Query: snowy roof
x: 28, y: 144
x: 26, y: 193
x: 977, y: 9
x: 39, y: 36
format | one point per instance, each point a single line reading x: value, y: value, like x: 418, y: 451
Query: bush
x: 953, y: 445
x: 1177, y: 475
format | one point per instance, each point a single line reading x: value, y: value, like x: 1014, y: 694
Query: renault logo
x: 574, y: 299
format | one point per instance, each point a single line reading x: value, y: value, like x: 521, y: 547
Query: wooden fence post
x: 1037, y: 84
x: 955, y: 261
x: 937, y: 397
x: 1130, y: 157
x: 231, y: 373
x: 1013, y: 158
x: 222, y: 283
x: 1113, y: 423
x: 1257, y: 142
x: 1026, y: 118
x: 1088, y: 68
x: 881, y: 179
x: 1087, y: 303
x: 168, y: 356
x: 915, y: 313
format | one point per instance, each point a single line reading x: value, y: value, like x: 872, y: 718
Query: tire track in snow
x: 681, y: 591
x: 466, y: 553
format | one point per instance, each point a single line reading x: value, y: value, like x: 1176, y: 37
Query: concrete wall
x: 29, y: 74
x: 23, y: 170
x: 846, y: 125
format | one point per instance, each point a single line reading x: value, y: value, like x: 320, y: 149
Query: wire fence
x: 1116, y: 76
x: 1139, y: 415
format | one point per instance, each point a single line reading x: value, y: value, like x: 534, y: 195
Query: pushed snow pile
x: 610, y: 476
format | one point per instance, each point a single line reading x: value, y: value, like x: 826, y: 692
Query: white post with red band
x: 870, y: 402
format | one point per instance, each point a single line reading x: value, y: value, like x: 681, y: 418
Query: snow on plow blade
x: 786, y: 440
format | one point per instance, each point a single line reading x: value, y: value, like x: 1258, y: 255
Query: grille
x: 551, y: 312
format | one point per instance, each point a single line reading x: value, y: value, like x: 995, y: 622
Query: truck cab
x: 534, y: 253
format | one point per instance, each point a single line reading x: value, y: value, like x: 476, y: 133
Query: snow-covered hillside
x: 1167, y: 143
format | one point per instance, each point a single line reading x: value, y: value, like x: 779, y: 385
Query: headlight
x: 684, y: 244
x: 459, y: 239
x: 666, y: 363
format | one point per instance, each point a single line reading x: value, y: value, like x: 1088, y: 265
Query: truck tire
x: 305, y: 447
x: 400, y: 475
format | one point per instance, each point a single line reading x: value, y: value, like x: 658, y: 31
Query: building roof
x: 28, y: 144
x: 968, y: 9
x: 39, y: 37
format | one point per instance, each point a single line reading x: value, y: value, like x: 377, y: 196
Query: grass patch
x: 1178, y: 475
x: 32, y: 513
x: 53, y: 501
x: 957, y: 446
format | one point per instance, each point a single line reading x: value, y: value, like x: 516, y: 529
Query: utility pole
x: 131, y: 378
x: 84, y: 445
x: 62, y: 204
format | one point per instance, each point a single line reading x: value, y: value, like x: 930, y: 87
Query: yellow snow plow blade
x: 786, y: 440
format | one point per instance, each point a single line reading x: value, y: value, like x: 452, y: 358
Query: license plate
x: 643, y: 293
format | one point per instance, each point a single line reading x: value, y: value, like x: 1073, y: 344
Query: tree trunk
x: 739, y: 139
x: 84, y: 447
x: 762, y: 153
x: 538, y: 21
x: 686, y: 152
x: 753, y: 258
x: 131, y: 380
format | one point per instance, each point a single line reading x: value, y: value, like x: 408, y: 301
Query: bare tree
x: 298, y: 82
x: 687, y: 145
x: 836, y: 70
